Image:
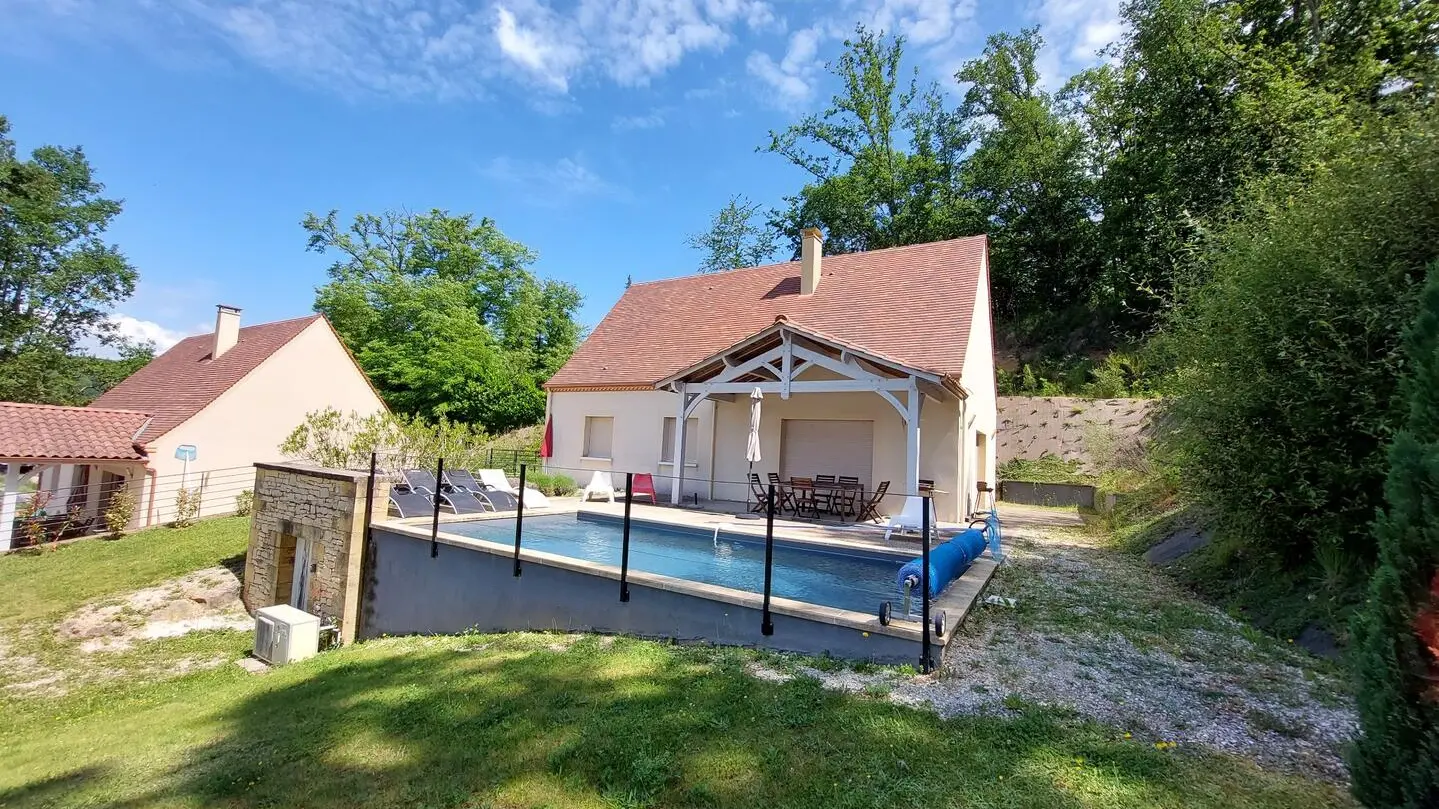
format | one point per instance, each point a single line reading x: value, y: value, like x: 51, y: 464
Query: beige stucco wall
x: 637, y: 440
x: 981, y: 409
x: 246, y: 424
x: 723, y: 435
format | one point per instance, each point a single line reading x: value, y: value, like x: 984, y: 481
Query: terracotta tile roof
x: 910, y: 303
x: 184, y: 380
x: 79, y: 433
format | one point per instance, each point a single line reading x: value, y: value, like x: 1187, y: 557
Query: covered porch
x: 829, y: 408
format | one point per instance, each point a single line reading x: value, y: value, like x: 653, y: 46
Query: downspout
x: 152, y: 474
x: 963, y: 501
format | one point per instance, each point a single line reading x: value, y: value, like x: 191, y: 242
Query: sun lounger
x: 599, y: 484
x: 501, y: 499
x: 496, y: 479
x: 406, y: 502
x: 909, y: 518
x: 455, y: 499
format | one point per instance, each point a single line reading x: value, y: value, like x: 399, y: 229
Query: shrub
x: 1289, y: 354
x: 330, y: 438
x: 187, y: 507
x: 119, y: 512
x: 1395, y: 654
x: 1047, y: 468
x: 244, y: 503
x: 556, y: 485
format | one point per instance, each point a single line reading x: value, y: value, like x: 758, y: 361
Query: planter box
x: 1046, y: 494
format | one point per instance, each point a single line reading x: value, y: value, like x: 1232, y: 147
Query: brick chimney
x: 227, y: 330
x: 811, y: 246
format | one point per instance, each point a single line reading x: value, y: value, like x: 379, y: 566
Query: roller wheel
x: 884, y: 613
x: 939, y: 623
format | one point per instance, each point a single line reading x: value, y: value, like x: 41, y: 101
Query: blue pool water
x: 842, y: 580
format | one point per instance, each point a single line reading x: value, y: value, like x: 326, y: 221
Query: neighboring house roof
x: 184, y: 380
x: 69, y: 433
x: 913, y: 304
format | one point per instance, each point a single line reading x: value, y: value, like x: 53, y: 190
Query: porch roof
x: 56, y: 433
x: 760, y: 359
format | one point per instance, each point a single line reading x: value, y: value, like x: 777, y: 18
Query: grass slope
x: 539, y: 720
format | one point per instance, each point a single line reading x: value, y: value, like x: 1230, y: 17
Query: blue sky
x: 597, y: 132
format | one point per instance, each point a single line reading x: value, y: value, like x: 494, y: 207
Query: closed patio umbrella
x: 751, y: 453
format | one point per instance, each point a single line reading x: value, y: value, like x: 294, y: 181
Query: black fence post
x: 519, y: 519
x: 435, y: 520
x: 625, y: 542
x: 367, y: 553
x: 766, y: 626
x: 491, y: 464
x: 924, y: 659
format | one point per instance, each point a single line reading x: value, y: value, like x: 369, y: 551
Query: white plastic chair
x: 496, y: 479
x: 911, y: 517
x: 599, y: 484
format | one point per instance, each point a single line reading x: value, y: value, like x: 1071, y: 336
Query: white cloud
x: 792, y: 77
x: 138, y: 330
x: 653, y: 119
x: 936, y: 30
x: 551, y: 184
x: 1074, y: 31
x: 410, y: 48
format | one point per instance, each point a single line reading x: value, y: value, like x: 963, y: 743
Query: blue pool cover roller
x: 947, y: 561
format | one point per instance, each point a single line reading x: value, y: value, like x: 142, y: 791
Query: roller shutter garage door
x: 810, y: 447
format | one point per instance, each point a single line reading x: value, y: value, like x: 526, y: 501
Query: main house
x: 196, y: 417
x: 878, y: 365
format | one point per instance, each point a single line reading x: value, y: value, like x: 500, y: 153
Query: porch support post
x: 7, y: 503
x: 679, y: 459
x: 787, y: 373
x: 911, y: 455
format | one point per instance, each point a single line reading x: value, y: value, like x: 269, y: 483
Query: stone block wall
x: 297, y: 503
x: 1032, y: 426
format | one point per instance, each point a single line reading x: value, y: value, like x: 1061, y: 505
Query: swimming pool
x: 845, y: 580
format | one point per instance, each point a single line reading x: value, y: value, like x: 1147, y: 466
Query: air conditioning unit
x: 284, y: 634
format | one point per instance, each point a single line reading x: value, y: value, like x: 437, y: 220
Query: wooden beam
x: 807, y: 386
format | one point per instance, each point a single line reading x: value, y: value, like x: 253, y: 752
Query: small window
x: 667, y: 450
x: 599, y: 433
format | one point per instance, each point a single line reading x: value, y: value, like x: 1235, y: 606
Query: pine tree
x: 1395, y: 763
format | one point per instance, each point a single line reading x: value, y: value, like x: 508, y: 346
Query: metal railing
x: 770, y: 509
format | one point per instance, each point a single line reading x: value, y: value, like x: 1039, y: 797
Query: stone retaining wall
x: 1033, y: 426
x: 296, y: 503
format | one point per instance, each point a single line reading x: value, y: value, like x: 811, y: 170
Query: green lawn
x: 546, y: 720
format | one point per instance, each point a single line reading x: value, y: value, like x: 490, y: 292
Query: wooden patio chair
x: 826, y: 497
x: 804, y: 500
x: 849, y: 494
x: 757, y: 488
x: 870, y: 509
x: 926, y: 487
x: 786, y: 497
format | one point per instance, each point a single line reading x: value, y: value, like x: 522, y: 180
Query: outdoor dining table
x: 834, y: 489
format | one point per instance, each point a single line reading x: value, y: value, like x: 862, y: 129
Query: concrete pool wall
x: 471, y: 585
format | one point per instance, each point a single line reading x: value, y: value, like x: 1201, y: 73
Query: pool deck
x: 957, y: 600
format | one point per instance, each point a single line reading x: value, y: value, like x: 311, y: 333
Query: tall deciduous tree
x: 882, y: 158
x: 737, y: 237
x: 1029, y: 181
x: 59, y: 279
x: 444, y: 314
x: 1395, y: 762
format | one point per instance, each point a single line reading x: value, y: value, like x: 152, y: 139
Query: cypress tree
x: 1395, y: 762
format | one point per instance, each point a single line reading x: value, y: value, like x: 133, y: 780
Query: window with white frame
x: 599, y: 436
x: 667, y: 449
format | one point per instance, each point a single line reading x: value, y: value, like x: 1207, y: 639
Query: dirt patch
x: 207, y: 599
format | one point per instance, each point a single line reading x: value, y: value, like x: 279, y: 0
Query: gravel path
x: 1099, y: 632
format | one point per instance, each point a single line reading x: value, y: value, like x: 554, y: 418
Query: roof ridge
x: 86, y: 408
x: 855, y: 254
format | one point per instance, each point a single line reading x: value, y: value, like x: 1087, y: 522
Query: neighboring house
x: 232, y: 395
x: 878, y: 365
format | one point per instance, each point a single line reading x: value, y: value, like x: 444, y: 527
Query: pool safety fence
x: 770, y: 508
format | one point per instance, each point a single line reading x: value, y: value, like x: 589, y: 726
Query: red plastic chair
x: 644, y: 485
